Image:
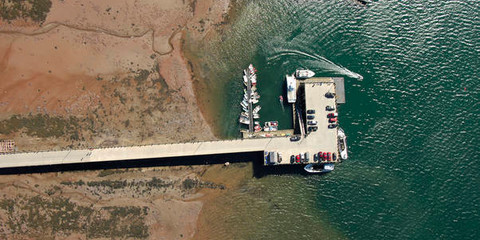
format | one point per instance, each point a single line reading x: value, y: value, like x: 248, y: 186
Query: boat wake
x: 326, y: 63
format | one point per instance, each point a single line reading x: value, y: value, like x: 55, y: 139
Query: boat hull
x: 325, y: 168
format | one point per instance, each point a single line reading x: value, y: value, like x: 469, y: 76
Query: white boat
x: 256, y: 109
x: 270, y: 126
x: 244, y: 114
x: 291, y: 89
x: 245, y: 79
x: 244, y: 104
x: 256, y: 116
x: 320, y: 168
x: 254, y: 101
x: 304, y: 73
x: 244, y: 109
x: 342, y: 144
x: 244, y: 120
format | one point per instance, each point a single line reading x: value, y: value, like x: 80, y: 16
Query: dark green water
x: 413, y: 123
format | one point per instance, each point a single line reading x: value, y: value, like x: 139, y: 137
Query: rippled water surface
x: 412, y: 123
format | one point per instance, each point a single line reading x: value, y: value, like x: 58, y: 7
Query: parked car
x: 320, y: 156
x: 329, y: 95
x: 302, y: 157
x: 292, y: 159
x: 307, y: 157
x: 310, y: 111
x: 331, y: 115
x: 314, y: 129
x: 310, y: 117
x: 298, y: 159
x: 295, y: 138
x: 279, y: 160
x: 334, y: 156
x: 329, y: 156
x: 312, y: 122
x: 329, y: 108
x: 332, y: 120
x: 315, y: 157
x: 332, y: 125
x: 325, y: 156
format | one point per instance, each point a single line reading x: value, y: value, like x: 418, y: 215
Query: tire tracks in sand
x: 53, y: 25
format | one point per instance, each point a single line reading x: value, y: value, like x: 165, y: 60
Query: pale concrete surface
x: 324, y: 139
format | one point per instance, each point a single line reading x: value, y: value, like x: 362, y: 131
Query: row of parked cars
x: 324, y: 156
x: 300, y: 158
x: 317, y: 157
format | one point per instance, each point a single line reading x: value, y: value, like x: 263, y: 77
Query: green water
x: 413, y: 122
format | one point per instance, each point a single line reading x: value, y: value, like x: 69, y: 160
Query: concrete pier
x: 324, y: 140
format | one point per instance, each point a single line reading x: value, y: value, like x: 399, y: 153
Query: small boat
x: 244, y: 109
x: 291, y: 89
x: 304, y: 73
x: 342, y: 144
x: 244, y: 120
x: 256, y: 116
x: 319, y: 168
x: 270, y: 126
x: 254, y: 101
x: 257, y: 128
x: 245, y: 114
x: 244, y: 104
x: 280, y: 98
x: 256, y: 109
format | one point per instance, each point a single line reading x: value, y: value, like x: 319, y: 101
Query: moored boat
x: 304, y: 73
x: 256, y: 109
x: 291, y: 89
x: 270, y: 126
x: 244, y: 120
x: 320, y: 168
x: 342, y: 144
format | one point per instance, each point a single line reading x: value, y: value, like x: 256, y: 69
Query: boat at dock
x: 342, y: 144
x: 244, y: 120
x: 256, y: 109
x: 291, y: 88
x: 271, y: 126
x: 256, y: 116
x: 320, y: 168
x: 304, y: 73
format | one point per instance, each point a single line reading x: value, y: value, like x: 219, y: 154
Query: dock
x: 313, y: 97
x: 250, y: 105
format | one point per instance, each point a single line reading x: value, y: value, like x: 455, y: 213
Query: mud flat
x: 79, y: 74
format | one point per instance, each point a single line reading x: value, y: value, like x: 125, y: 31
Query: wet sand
x: 97, y: 74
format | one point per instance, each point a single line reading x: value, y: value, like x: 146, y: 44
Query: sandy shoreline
x: 98, y: 74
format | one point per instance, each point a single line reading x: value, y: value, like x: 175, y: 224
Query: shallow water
x: 412, y: 122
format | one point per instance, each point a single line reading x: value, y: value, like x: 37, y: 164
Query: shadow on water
x: 256, y: 157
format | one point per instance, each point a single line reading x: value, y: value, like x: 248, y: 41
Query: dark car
x: 309, y: 129
x: 294, y: 138
x: 292, y: 159
x: 329, y: 108
x: 334, y: 156
x: 314, y: 129
x: 310, y: 117
x: 315, y: 157
x: 332, y: 125
x: 312, y: 122
x: 332, y: 115
x: 329, y: 156
x: 329, y: 95
x: 310, y: 111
